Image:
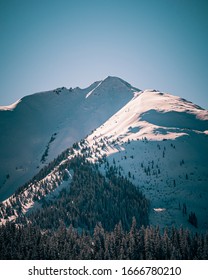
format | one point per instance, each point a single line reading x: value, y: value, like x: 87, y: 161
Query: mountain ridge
x: 64, y: 114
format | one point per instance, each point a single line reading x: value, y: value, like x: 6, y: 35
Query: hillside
x: 159, y: 141
x: 37, y: 128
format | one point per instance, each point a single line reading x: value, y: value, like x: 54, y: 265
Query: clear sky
x: 161, y: 44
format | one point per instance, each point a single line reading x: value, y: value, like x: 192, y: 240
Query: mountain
x: 156, y: 140
x: 160, y: 142
x: 37, y: 128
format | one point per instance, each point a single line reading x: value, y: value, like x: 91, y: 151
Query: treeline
x: 30, y: 242
x: 91, y: 198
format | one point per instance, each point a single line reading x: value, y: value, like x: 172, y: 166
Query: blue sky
x: 159, y: 44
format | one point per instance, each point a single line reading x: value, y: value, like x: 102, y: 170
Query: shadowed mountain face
x: 182, y: 120
x: 42, y: 125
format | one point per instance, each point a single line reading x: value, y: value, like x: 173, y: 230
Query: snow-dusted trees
x: 29, y: 242
x: 93, y: 199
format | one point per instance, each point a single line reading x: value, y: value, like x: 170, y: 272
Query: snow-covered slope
x: 154, y: 115
x: 38, y: 127
x: 160, y: 142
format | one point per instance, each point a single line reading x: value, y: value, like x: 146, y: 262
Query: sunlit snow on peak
x: 90, y: 92
x: 10, y: 107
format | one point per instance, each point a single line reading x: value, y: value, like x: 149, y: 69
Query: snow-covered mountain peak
x: 116, y: 82
x: 111, y: 86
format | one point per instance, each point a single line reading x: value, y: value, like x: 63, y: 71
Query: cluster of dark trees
x: 30, y: 242
x: 193, y: 219
x: 45, y: 154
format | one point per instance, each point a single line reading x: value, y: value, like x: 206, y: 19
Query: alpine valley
x: 105, y: 172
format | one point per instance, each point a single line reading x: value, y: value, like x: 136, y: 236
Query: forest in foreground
x: 96, y: 217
